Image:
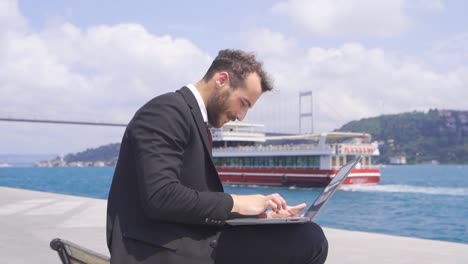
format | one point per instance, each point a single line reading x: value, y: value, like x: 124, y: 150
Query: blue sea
x: 425, y: 201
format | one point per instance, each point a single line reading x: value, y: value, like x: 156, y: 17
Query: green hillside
x: 433, y: 136
x: 107, y: 153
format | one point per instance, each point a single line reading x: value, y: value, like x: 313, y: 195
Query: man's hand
x: 291, y: 211
x: 257, y: 204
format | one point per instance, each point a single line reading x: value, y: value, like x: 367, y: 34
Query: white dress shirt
x: 200, y: 102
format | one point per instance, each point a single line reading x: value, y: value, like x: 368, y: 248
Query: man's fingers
x: 279, y: 201
x: 279, y: 206
x: 293, y: 210
x: 297, y: 208
x: 282, y: 201
x: 272, y: 205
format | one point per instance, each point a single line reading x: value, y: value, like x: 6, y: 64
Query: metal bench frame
x: 71, y: 253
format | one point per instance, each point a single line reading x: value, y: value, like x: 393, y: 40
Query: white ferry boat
x: 4, y: 165
x: 244, y: 154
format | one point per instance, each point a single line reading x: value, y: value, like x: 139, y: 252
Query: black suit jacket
x: 166, y: 198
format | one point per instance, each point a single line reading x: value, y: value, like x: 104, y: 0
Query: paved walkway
x: 30, y: 219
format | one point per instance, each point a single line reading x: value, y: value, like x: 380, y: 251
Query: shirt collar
x: 200, y: 102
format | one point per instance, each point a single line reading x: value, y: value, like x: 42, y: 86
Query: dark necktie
x: 210, y: 137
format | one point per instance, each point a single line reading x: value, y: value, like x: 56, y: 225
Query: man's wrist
x: 235, y: 204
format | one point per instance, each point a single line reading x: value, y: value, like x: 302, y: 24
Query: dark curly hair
x: 238, y: 64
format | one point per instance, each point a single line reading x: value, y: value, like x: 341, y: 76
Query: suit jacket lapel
x: 197, y: 116
x: 196, y: 113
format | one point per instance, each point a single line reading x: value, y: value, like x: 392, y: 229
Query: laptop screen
x: 331, y: 188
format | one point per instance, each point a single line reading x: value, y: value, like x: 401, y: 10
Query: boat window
x: 301, y: 161
x: 279, y: 161
x: 313, y: 161
x: 364, y: 161
x: 248, y: 162
x: 256, y: 162
x: 269, y: 162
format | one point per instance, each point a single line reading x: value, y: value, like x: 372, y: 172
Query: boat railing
x: 236, y: 135
x: 288, y: 147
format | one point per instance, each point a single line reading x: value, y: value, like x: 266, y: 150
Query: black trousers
x: 295, y: 243
x: 292, y: 243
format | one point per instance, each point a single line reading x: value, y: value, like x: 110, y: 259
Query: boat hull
x: 294, y: 177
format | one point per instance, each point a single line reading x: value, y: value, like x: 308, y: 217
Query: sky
x: 101, y: 60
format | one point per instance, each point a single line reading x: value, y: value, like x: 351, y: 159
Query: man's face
x: 228, y: 104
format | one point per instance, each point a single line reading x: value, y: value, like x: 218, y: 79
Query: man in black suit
x: 166, y: 203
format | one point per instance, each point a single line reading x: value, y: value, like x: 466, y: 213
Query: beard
x: 217, y: 107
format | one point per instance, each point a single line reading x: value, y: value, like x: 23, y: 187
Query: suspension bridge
x: 63, y: 122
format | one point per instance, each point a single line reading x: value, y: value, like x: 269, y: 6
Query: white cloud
x: 10, y: 17
x: 347, y: 17
x: 101, y: 73
x: 434, y: 5
x: 104, y: 65
x: 450, y: 52
x: 269, y: 42
x: 352, y: 81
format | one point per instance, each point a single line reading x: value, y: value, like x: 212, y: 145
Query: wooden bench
x: 71, y: 253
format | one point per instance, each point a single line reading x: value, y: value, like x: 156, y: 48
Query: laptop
x: 313, y: 210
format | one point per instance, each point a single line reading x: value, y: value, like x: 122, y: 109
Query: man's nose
x: 241, y: 114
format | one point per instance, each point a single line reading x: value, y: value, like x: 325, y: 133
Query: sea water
x: 425, y: 201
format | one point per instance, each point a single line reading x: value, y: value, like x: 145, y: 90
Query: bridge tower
x: 306, y: 113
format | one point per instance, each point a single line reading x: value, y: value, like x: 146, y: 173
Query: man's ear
x: 222, y: 78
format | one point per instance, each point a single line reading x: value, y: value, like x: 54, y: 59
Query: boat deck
x: 30, y: 219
